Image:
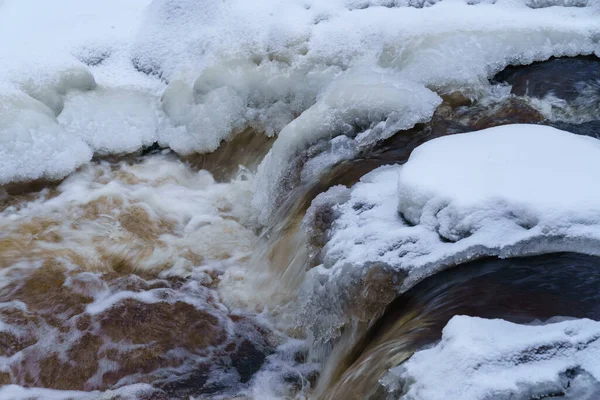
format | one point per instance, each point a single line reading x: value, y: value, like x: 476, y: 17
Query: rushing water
x: 156, y: 236
x: 521, y: 290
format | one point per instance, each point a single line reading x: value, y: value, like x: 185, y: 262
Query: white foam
x: 480, y: 358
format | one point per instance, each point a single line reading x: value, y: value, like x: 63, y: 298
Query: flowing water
x: 175, y: 271
x: 142, y: 270
x: 521, y: 290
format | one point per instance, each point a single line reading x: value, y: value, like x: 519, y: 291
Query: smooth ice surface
x: 190, y: 74
x: 506, y: 191
x: 481, y: 358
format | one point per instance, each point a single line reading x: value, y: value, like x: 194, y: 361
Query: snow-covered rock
x: 491, y: 358
x: 507, y: 191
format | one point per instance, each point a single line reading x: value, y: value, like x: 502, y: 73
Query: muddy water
x: 520, y: 290
x: 111, y: 277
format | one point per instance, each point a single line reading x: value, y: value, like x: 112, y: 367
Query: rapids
x: 211, y: 200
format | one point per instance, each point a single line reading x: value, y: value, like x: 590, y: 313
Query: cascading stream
x: 202, y: 199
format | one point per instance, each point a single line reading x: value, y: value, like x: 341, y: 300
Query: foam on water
x: 157, y: 240
x: 110, y: 279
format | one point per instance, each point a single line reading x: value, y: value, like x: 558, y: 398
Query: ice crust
x: 190, y: 74
x: 481, y: 359
x: 507, y: 191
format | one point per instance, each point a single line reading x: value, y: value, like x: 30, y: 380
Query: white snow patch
x: 32, y: 144
x: 129, y: 392
x: 481, y: 358
x: 111, y: 121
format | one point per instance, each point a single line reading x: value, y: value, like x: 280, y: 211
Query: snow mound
x: 513, y: 176
x: 507, y: 191
x: 111, y: 121
x: 32, y: 144
x: 480, y: 359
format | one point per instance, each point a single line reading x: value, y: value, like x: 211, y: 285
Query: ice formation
x: 460, y: 197
x: 482, y: 358
x: 328, y: 79
x: 190, y: 74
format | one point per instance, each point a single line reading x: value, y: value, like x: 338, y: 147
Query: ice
x: 377, y: 105
x: 192, y: 74
x: 112, y: 121
x: 480, y: 358
x: 506, y: 191
x: 33, y: 145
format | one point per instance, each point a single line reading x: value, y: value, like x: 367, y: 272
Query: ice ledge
x: 497, y: 192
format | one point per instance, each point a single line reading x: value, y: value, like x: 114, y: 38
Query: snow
x: 109, y: 120
x: 190, y: 74
x: 481, y: 358
x: 493, y: 192
x: 32, y: 144
x: 456, y: 183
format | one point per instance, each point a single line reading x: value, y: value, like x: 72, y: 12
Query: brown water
x: 519, y: 290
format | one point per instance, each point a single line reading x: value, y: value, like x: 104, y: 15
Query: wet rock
x: 247, y: 360
x: 4, y: 378
x: 456, y: 99
x: 44, y: 291
x: 377, y: 288
x: 82, y: 364
x: 11, y: 343
x: 144, y: 394
x: 191, y: 384
x: 141, y: 360
x: 169, y: 325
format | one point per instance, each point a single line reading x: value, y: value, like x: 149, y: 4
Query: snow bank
x: 519, y: 174
x: 32, y: 144
x: 480, y: 359
x: 506, y: 191
x: 190, y: 74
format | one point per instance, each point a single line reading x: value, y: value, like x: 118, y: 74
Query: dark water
x: 563, y: 77
x: 519, y: 290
